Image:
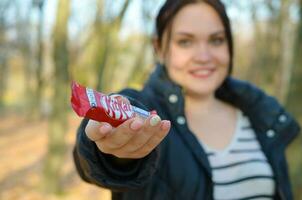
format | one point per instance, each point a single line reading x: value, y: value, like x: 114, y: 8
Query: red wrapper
x: 103, y: 108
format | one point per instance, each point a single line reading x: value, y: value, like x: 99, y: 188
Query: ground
x: 23, y: 147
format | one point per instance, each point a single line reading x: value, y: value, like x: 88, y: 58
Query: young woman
x: 222, y: 138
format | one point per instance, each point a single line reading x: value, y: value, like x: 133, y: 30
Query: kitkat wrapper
x: 97, y: 106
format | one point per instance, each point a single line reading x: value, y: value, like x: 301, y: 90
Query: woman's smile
x: 202, y: 73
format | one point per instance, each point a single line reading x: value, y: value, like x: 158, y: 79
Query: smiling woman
x: 222, y: 138
x: 198, y: 56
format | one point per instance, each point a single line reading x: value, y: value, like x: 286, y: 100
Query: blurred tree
x: 257, y: 44
x: 102, y: 36
x: 295, y: 97
x: 24, y: 46
x: 4, y: 50
x: 32, y: 53
x: 101, y: 48
x: 265, y: 44
x: 107, y: 32
x: 3, y: 56
x: 58, y: 119
x: 138, y: 70
x: 286, y: 50
x: 39, y: 83
x: 273, y: 48
x: 294, y: 105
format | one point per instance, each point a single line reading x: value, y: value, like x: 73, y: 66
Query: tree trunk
x: 3, y: 54
x: 3, y: 64
x: 138, y: 70
x: 257, y: 58
x: 102, y: 58
x: 3, y: 78
x: 295, y: 96
x: 24, y: 44
x: 294, y: 105
x: 39, y: 63
x: 286, y: 50
x: 58, y: 119
x: 107, y: 46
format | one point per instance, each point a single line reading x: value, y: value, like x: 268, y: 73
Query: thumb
x: 97, y: 130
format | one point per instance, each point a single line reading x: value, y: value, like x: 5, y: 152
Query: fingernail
x: 154, y: 120
x: 105, y: 128
x: 165, y: 125
x: 136, y: 124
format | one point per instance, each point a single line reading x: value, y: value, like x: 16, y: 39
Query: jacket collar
x: 266, y: 114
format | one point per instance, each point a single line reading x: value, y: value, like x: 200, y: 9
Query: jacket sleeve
x: 107, y: 170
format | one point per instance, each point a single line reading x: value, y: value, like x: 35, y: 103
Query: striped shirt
x: 241, y: 170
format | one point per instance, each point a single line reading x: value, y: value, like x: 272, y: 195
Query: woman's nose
x: 202, y: 53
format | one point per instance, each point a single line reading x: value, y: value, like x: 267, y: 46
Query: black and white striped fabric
x: 241, y: 171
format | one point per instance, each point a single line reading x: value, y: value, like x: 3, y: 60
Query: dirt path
x: 23, y: 146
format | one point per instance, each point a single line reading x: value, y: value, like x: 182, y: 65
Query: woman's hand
x: 134, y: 138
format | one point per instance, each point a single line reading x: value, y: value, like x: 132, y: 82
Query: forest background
x: 106, y: 45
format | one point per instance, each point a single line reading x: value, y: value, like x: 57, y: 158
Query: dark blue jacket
x: 178, y: 168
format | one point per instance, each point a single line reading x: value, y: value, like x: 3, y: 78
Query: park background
x: 106, y: 45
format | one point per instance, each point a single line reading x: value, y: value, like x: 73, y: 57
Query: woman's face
x: 197, y: 57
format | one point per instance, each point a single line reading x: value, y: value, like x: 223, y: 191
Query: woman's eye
x: 217, y: 41
x: 184, y: 42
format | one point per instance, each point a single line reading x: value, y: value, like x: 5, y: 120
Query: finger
x: 153, y: 121
x: 96, y: 130
x: 152, y: 126
x: 155, y: 140
x: 123, y: 133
